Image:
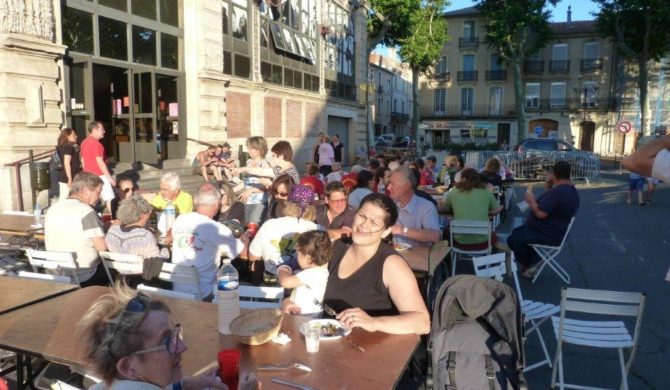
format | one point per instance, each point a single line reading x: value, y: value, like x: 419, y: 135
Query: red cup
x: 107, y: 218
x: 229, y: 367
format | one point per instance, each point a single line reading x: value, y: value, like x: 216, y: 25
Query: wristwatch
x: 404, y: 230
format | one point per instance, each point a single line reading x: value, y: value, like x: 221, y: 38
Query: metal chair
x: 495, y: 266
x: 598, y: 334
x: 55, y: 261
x: 123, y: 263
x: 184, y: 275
x: 253, y: 297
x: 51, y: 278
x: 548, y: 255
x: 482, y: 228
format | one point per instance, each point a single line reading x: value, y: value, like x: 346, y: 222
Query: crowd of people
x: 330, y: 235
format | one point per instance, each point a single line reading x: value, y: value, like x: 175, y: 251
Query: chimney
x: 569, y: 14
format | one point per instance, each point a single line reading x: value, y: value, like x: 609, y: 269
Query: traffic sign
x: 624, y: 126
x: 539, y: 130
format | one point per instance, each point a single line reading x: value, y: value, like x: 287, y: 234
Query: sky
x: 581, y: 10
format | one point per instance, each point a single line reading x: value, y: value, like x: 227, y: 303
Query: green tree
x: 517, y: 29
x: 639, y: 28
x: 421, y: 49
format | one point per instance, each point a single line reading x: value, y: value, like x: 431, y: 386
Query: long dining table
x: 47, y: 330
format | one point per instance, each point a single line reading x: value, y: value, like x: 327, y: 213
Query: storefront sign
x: 434, y: 125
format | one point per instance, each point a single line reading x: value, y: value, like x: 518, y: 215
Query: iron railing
x: 533, y: 67
x: 559, y: 66
x: 496, y: 75
x: 468, y: 42
x: 479, y: 110
x: 468, y: 75
x: 588, y: 65
x: 17, y: 172
x: 573, y: 104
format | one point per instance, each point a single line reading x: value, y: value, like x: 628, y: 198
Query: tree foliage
x: 394, y: 23
x: 422, y: 47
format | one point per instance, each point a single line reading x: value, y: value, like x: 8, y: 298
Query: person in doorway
x: 68, y: 150
x: 315, y: 148
x: 338, y: 149
x: 93, y: 161
x: 326, y: 157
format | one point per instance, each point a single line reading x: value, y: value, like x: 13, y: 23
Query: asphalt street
x: 612, y: 246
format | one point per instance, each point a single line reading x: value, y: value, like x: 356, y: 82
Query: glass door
x: 146, y: 141
x: 170, y: 129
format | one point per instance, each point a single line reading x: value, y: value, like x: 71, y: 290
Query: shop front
x: 463, y: 132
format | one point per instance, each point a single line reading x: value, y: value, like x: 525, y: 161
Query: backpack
x: 56, y: 162
x: 476, y: 336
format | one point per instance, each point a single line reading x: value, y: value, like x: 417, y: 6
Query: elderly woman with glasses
x: 131, y: 235
x: 131, y: 341
x: 370, y: 285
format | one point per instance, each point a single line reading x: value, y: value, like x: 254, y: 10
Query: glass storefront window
x: 78, y: 30
x: 142, y: 93
x: 169, y: 51
x: 116, y: 4
x: 144, y: 45
x: 144, y: 130
x: 144, y: 8
x: 170, y: 12
x: 112, y: 39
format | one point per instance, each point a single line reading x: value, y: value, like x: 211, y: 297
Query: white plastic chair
x: 123, y: 263
x: 38, y: 276
x: 482, y: 228
x: 55, y: 261
x: 167, y: 293
x: 182, y: 274
x: 548, y: 255
x: 598, y: 334
x: 253, y: 297
x: 494, y: 266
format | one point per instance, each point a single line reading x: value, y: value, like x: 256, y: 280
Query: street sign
x: 539, y: 130
x: 624, y: 126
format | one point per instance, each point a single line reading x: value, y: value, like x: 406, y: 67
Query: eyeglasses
x: 376, y: 224
x: 343, y: 200
x: 170, y: 343
x: 284, y: 194
x: 127, y: 190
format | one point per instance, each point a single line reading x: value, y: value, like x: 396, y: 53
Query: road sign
x: 538, y: 130
x: 624, y: 126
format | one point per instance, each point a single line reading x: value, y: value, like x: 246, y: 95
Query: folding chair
x: 437, y: 253
x: 494, y: 266
x: 185, y: 275
x: 548, y: 255
x: 167, y: 293
x: 38, y: 276
x: 55, y: 261
x: 468, y: 227
x: 598, y: 334
x: 253, y: 297
x: 123, y: 263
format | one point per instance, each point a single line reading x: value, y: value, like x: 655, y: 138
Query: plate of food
x: 330, y: 329
x: 401, y: 246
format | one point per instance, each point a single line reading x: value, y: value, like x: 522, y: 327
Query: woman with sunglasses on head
x: 131, y: 341
x: 370, y: 286
x: 279, y: 191
x: 125, y: 188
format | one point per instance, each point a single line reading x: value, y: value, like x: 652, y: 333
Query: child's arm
x: 286, y: 278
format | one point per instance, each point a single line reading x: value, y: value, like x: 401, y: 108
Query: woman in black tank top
x: 370, y: 285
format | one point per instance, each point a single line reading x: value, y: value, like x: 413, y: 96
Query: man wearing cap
x: 275, y: 239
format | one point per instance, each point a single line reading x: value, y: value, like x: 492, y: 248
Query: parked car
x: 402, y: 142
x: 545, y: 144
x: 535, y: 156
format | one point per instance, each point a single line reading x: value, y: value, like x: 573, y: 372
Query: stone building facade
x: 392, y: 103
x: 163, y: 74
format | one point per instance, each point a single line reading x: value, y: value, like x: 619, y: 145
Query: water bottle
x: 37, y: 214
x: 381, y: 188
x: 227, y: 295
x: 170, y: 214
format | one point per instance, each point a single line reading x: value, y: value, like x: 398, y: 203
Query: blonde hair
x: 258, y: 143
x: 109, y: 332
x: 290, y: 209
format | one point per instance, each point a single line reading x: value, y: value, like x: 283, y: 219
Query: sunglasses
x: 170, y: 343
x: 284, y: 194
x: 127, y: 190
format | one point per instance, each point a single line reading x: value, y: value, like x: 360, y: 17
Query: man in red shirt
x: 93, y: 161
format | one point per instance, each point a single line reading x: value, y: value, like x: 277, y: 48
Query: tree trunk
x: 415, y: 106
x: 519, y: 102
x: 643, y: 85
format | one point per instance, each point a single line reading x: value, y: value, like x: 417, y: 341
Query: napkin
x: 161, y: 223
x: 281, y: 338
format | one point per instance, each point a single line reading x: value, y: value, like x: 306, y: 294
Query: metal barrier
x: 535, y: 164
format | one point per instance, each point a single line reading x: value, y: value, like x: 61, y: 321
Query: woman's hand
x: 289, y: 307
x: 246, y: 193
x: 208, y: 379
x: 357, y: 318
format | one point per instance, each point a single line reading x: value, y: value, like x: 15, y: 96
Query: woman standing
x: 255, y: 195
x: 68, y: 150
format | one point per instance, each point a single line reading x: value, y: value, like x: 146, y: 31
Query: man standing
x: 338, y: 148
x: 170, y: 190
x: 417, y: 217
x: 71, y: 225
x: 93, y: 161
x: 200, y: 241
x: 549, y: 217
x: 326, y: 157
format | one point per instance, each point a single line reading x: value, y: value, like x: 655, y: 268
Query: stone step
x: 148, y: 177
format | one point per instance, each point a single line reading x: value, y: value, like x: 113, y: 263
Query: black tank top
x: 364, y: 288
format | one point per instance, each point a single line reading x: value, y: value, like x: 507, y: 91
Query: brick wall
x: 238, y: 115
x: 273, y: 117
x: 312, y: 119
x: 293, y: 118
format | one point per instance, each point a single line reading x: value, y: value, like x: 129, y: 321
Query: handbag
x: 56, y: 163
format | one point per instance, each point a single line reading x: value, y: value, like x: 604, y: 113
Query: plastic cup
x: 312, y: 335
x: 229, y: 367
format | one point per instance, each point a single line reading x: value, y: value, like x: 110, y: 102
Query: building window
x: 532, y: 95
x: 112, y: 39
x: 441, y: 69
x: 402, y: 104
x: 467, y: 101
x: 495, y: 100
x: 468, y: 63
x: 469, y: 30
x: 590, y: 90
x: 496, y: 64
x: 559, y: 59
x: 395, y: 105
x: 557, y: 92
x: 144, y: 45
x: 440, y: 97
x: 591, y: 50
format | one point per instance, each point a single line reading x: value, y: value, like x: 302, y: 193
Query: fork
x: 329, y: 310
x: 299, y: 366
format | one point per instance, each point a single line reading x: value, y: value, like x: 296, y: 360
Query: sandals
x: 529, y: 273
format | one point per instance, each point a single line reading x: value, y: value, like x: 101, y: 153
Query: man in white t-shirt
x: 336, y: 174
x: 326, y: 157
x: 200, y: 241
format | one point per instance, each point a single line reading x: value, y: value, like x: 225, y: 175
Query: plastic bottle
x: 170, y: 215
x: 37, y: 214
x: 381, y: 188
x: 227, y: 295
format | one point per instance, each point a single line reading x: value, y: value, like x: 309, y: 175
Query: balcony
x: 589, y: 65
x: 443, y: 76
x: 569, y: 105
x: 468, y: 42
x: 480, y: 111
x: 496, y: 75
x: 468, y: 75
x: 399, y: 117
x: 559, y: 66
x: 533, y: 67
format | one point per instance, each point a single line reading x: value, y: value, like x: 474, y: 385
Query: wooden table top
x: 21, y: 292
x: 47, y: 330
x: 417, y: 257
x: 17, y: 224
